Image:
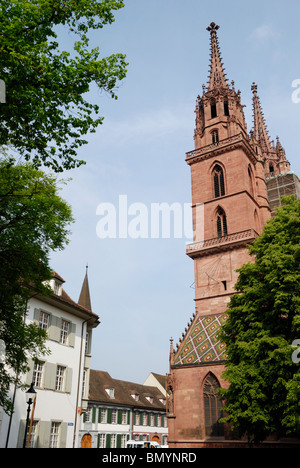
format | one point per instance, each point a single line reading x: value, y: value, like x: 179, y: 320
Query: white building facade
x: 60, y: 379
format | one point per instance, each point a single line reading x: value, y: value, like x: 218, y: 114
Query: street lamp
x: 29, y: 400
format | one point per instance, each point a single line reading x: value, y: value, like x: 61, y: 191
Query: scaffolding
x: 279, y: 185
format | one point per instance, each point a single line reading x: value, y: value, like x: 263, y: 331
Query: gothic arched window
x: 212, y: 407
x: 221, y: 223
x: 219, y: 185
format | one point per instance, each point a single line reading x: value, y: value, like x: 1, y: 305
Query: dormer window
x: 56, y: 284
x: 57, y: 288
x: 135, y: 396
x: 150, y: 399
x: 110, y: 392
x: 162, y: 400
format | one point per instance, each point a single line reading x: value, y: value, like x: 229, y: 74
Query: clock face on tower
x: 213, y: 274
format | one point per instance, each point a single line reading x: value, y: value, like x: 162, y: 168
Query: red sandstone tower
x: 230, y: 207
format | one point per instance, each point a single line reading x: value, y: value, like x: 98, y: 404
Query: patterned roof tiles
x: 201, y: 343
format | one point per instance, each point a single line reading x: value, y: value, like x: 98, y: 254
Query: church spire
x: 260, y: 131
x: 217, y: 75
x: 84, y: 298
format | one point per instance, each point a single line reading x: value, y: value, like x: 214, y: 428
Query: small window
x: 114, y: 416
x: 221, y: 223
x: 213, y: 110
x: 271, y: 168
x: 54, y: 434
x: 64, y: 331
x: 150, y: 399
x: 104, y: 415
x: 215, y: 137
x: 110, y: 392
x: 124, y: 417
x: 44, y: 320
x: 38, y: 374
x: 226, y: 108
x: 60, y: 378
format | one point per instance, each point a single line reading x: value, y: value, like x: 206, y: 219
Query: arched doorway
x: 86, y: 441
x: 155, y: 438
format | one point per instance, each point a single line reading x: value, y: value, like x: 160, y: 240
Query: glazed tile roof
x: 201, y: 343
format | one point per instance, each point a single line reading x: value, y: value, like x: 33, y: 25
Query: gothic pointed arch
x: 212, y: 406
x: 256, y: 222
x: 218, y: 180
x: 251, y: 180
x: 221, y: 222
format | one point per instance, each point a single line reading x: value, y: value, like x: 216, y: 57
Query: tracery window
x: 212, y: 407
x: 221, y: 223
x: 219, y: 185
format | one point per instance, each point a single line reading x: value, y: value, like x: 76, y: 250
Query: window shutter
x: 108, y: 440
x: 68, y: 377
x: 94, y: 414
x: 44, y: 434
x: 63, y: 435
x: 109, y: 416
x: 128, y: 417
x: 119, y: 417
x: 118, y: 441
x: 54, y: 328
x: 50, y: 376
x: 29, y: 375
x: 36, y: 315
x: 72, y: 335
x: 21, y: 433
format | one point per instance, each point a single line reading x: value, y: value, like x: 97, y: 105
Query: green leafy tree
x: 261, y: 332
x: 34, y: 221
x: 46, y: 114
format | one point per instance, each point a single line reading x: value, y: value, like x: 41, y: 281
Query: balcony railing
x: 236, y: 237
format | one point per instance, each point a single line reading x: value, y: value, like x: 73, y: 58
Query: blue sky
x: 142, y: 288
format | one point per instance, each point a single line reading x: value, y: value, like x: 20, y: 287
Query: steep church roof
x: 260, y: 130
x: 217, y: 75
x: 84, y: 298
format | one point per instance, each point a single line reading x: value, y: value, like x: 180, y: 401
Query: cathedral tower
x: 230, y: 207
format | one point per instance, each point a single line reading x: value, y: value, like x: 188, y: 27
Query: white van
x: 147, y: 444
